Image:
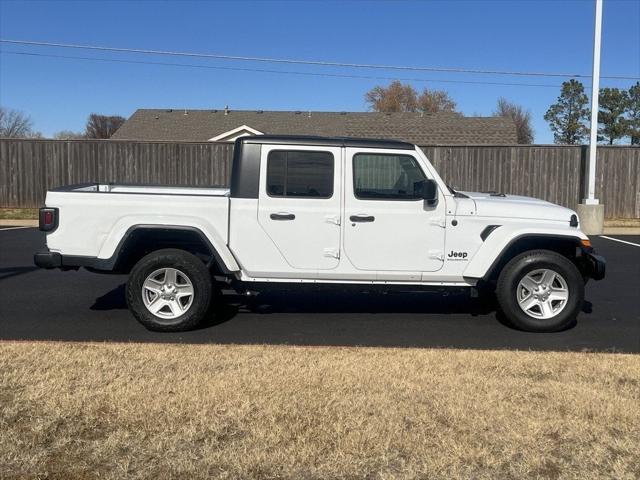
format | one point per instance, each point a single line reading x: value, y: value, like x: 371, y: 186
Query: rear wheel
x: 540, y: 291
x: 169, y: 290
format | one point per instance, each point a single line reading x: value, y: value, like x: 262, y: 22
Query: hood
x: 515, y: 206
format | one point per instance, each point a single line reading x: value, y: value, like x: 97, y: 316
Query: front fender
x: 499, y: 241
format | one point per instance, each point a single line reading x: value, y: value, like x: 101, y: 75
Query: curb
x: 621, y: 231
x: 18, y: 223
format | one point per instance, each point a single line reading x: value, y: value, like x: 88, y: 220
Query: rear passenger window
x: 299, y: 174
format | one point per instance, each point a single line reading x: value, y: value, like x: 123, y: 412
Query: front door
x: 388, y: 226
x: 299, y: 204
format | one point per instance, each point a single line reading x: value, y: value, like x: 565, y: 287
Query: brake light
x: 48, y: 219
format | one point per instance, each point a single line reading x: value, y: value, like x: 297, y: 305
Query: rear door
x: 388, y: 226
x: 299, y: 204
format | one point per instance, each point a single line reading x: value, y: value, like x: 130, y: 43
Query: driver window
x: 387, y: 177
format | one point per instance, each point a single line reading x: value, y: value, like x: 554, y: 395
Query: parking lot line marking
x: 621, y: 241
x: 11, y: 228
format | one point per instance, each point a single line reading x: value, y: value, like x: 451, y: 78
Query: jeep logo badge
x: 457, y: 255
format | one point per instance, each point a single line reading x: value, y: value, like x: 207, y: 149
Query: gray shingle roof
x: 202, y: 125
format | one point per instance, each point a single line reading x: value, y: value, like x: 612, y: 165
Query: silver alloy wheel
x: 542, y: 293
x: 167, y: 293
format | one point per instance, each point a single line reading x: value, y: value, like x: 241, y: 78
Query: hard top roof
x: 325, y: 141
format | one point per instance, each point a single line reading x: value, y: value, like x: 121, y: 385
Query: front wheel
x: 169, y: 290
x: 540, y: 291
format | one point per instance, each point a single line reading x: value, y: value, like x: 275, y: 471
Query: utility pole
x: 595, y: 90
x: 591, y: 213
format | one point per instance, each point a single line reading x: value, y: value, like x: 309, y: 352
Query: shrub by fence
x: 552, y: 172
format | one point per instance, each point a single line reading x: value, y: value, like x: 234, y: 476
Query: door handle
x: 282, y: 216
x: 362, y: 218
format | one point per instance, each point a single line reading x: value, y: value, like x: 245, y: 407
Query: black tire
x: 188, y: 266
x: 529, y: 262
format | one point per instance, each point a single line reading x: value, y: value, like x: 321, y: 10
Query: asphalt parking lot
x: 40, y: 304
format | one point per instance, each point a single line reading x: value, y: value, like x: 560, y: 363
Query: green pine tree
x: 569, y: 115
x: 613, y: 105
x: 633, y: 114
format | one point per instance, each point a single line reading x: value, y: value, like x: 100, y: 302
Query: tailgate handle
x: 282, y: 216
x: 362, y: 218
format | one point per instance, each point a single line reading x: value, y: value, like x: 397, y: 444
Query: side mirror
x: 430, y: 191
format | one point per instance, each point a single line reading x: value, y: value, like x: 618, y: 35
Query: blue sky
x: 59, y: 94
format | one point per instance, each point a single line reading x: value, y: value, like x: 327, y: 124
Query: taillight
x: 48, y: 219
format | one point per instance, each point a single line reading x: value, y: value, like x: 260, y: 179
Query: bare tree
x: 404, y: 98
x: 68, y: 135
x: 103, y: 126
x: 434, y: 101
x: 520, y: 116
x: 394, y: 98
x: 15, y: 124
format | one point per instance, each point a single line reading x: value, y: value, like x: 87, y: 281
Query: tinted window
x: 300, y: 174
x: 384, y: 176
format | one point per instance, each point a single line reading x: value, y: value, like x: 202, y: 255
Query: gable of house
x: 238, y: 132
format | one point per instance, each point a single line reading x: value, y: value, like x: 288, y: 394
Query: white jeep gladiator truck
x: 314, y: 210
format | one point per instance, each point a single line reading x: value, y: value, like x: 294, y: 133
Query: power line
x: 307, y: 62
x: 287, y: 72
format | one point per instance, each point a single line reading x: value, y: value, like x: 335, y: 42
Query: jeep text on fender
x: 311, y: 210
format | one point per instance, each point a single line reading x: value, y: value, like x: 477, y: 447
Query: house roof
x: 427, y: 129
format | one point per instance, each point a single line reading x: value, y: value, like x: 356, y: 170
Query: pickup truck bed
x: 98, y: 216
x: 145, y: 189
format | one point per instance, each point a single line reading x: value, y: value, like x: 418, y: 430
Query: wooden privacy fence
x: 552, y: 172
x: 556, y: 173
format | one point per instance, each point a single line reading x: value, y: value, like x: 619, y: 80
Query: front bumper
x: 596, y: 266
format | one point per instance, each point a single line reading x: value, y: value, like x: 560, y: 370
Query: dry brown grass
x: 184, y: 411
x: 18, y: 213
